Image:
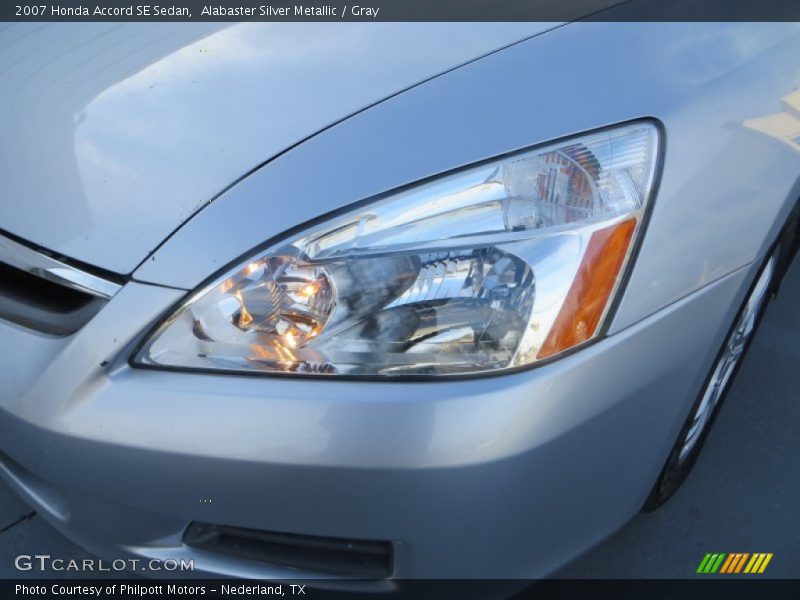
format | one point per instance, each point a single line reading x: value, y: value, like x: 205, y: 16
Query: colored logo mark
x: 736, y: 562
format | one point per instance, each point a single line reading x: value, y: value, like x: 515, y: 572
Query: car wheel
x: 695, y: 430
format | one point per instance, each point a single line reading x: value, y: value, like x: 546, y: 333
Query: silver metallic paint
x: 116, y: 133
x: 724, y: 193
x: 502, y: 477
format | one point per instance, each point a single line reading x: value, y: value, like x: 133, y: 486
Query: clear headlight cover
x: 493, y: 267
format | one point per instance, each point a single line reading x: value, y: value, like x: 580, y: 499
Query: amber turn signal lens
x: 590, y: 292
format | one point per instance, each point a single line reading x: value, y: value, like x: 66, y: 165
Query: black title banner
x: 401, y: 10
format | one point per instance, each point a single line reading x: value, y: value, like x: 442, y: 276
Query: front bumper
x: 499, y: 477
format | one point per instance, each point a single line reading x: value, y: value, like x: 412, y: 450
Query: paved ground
x: 743, y: 496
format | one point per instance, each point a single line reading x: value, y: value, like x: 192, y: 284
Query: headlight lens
x: 496, y: 266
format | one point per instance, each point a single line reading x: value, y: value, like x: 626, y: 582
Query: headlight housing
x: 496, y: 266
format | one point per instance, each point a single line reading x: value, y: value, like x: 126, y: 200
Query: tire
x: 704, y: 411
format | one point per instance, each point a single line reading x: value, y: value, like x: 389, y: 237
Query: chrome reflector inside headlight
x: 493, y: 267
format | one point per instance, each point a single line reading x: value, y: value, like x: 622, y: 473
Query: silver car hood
x: 114, y: 135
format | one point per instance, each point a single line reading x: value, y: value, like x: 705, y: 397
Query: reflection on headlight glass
x: 493, y: 267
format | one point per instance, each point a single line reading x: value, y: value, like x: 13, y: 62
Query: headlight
x: 493, y: 267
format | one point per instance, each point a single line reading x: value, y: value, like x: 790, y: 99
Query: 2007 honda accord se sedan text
x: 384, y: 300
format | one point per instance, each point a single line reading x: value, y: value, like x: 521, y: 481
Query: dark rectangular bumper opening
x: 334, y: 556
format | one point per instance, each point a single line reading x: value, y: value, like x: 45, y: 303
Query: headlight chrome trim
x: 606, y: 320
